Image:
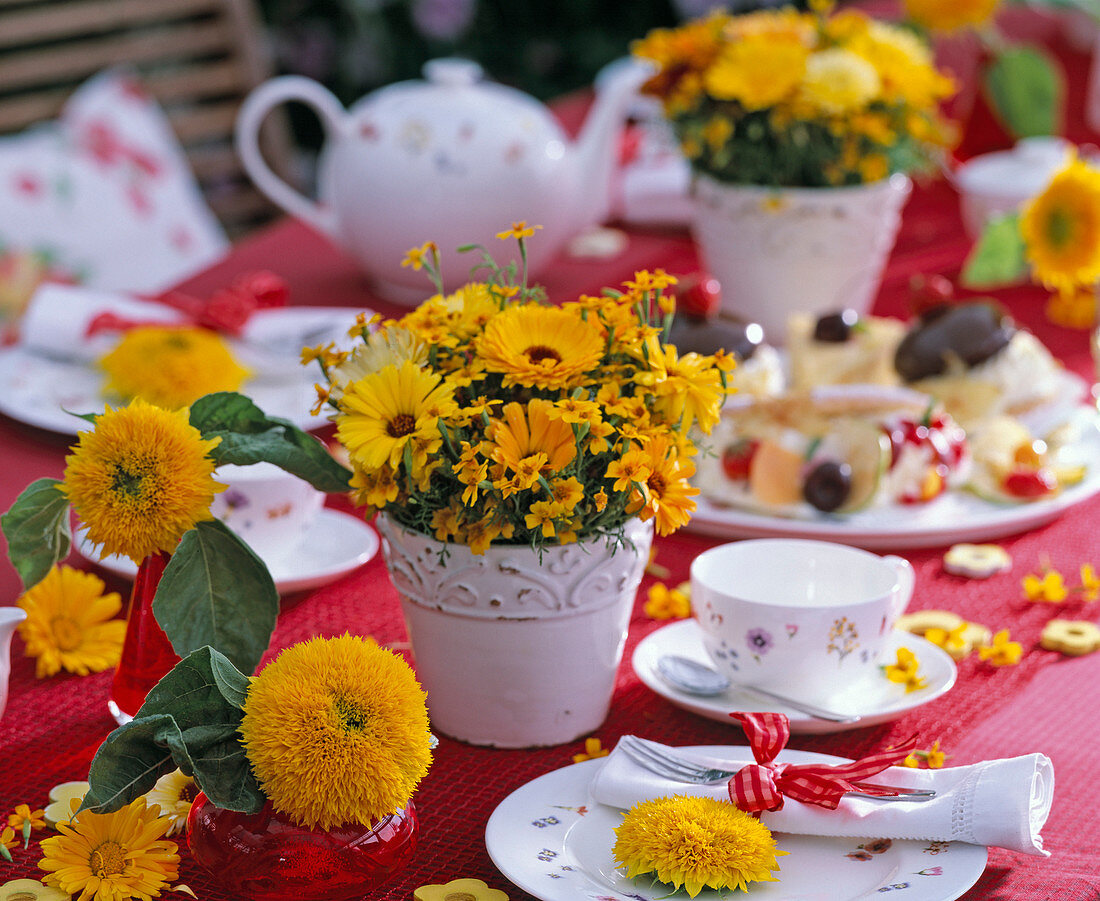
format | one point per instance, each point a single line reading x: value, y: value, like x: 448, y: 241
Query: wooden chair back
x: 198, y: 58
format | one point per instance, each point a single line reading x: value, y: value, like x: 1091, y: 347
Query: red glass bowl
x: 266, y: 857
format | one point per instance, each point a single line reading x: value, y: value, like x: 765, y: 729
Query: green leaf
x: 1027, y: 92
x: 215, y: 591
x: 998, y: 258
x: 37, y: 530
x: 191, y: 720
x: 248, y: 435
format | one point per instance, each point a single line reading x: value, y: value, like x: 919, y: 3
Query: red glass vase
x: 266, y: 857
x: 147, y: 653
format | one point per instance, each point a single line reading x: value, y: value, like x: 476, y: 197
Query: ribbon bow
x: 763, y: 785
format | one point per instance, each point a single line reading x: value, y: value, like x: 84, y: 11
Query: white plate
x: 877, y: 700
x: 554, y: 841
x: 337, y: 544
x: 38, y: 391
x: 956, y: 516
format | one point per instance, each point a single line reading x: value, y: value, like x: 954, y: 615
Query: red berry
x: 1026, y: 482
x: 737, y: 458
x: 927, y: 292
x: 698, y: 296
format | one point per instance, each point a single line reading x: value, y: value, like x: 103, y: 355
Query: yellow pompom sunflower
x: 336, y: 731
x: 1061, y: 228
x: 540, y: 347
x: 111, y: 856
x: 70, y: 625
x: 950, y: 15
x: 838, y: 81
x: 171, y: 367
x: 141, y: 479
x: 696, y: 843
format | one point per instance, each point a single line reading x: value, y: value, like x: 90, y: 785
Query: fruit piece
x: 698, y: 296
x: 775, y: 474
x: 737, y: 458
x: 1030, y: 454
x: 866, y: 449
x: 828, y: 485
x: 836, y: 328
x: 1025, y: 482
x: 928, y: 293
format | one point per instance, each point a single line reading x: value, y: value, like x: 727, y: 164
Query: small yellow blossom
x: 933, y: 757
x: 518, y: 230
x: 1001, y: 652
x: 592, y: 749
x: 24, y: 820
x: 415, y: 256
x: 906, y: 671
x: 7, y: 842
x: 1090, y: 583
x: 665, y: 603
x: 953, y: 641
x: 1050, y: 588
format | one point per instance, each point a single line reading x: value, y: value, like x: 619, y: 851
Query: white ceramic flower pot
x: 514, y: 652
x: 777, y: 251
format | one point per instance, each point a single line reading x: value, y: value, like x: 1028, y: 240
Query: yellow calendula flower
x: 174, y: 793
x: 758, y: 72
x: 111, y: 856
x: 663, y: 602
x: 906, y: 671
x: 336, y: 731
x: 1051, y: 587
x: 838, y: 81
x: 1002, y: 652
x: 141, y: 479
x: 1090, y: 583
x: 527, y: 430
x: 1061, y: 228
x: 540, y: 347
x: 70, y: 623
x: 696, y: 843
x: 171, y: 366
x: 593, y: 749
x: 669, y: 494
x: 950, y: 15
x: 391, y: 346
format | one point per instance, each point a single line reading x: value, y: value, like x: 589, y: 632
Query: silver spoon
x: 696, y: 678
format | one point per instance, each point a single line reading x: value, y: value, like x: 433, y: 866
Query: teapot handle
x: 255, y: 107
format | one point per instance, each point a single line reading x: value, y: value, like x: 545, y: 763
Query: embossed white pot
x: 514, y: 652
x: 776, y: 251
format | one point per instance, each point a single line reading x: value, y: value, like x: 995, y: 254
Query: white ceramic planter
x: 10, y: 617
x: 514, y: 653
x: 777, y: 251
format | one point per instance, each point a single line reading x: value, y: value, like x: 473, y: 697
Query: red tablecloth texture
x: 1045, y: 703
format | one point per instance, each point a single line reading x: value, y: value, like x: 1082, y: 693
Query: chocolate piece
x: 707, y: 336
x: 968, y: 332
x: 836, y: 328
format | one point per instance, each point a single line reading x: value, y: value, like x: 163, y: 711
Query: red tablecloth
x: 1046, y: 703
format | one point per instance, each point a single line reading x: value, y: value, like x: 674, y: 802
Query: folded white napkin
x: 999, y: 803
x: 57, y: 319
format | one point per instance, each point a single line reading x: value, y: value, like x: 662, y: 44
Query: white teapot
x: 451, y: 159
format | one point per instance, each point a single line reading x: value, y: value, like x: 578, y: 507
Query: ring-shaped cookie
x: 1074, y: 638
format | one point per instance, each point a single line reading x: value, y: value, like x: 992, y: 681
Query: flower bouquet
x: 770, y: 103
x: 519, y: 455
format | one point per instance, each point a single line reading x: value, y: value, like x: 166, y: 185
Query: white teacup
x: 266, y: 506
x: 806, y: 619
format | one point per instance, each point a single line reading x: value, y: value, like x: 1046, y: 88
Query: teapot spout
x: 597, y: 145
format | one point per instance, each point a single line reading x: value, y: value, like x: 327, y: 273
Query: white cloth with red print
x: 105, y: 195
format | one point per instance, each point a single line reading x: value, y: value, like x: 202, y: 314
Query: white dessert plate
x: 337, y: 544
x: 955, y: 516
x: 551, y: 839
x: 39, y: 391
x: 876, y: 700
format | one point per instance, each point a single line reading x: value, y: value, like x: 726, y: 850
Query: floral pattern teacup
x: 807, y: 619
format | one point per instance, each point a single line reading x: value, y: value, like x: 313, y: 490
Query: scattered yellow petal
x: 1002, y: 652
x: 906, y: 671
x: 665, y: 603
x: 1050, y: 588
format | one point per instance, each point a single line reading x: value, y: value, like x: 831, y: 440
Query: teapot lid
x: 453, y: 70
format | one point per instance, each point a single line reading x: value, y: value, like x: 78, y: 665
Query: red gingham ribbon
x: 762, y: 785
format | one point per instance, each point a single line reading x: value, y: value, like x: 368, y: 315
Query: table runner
x: 1045, y: 703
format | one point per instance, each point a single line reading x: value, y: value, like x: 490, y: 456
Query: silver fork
x: 660, y: 760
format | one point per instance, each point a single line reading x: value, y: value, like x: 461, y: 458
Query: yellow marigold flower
x: 518, y: 230
x: 1073, y: 307
x: 1061, y: 228
x: 70, y: 624
x: 24, y: 815
x: 540, y: 347
x: 695, y: 843
x: 141, y: 479
x: 173, y: 793
x: 1051, y: 587
x: 838, y: 81
x: 567, y: 493
x: 688, y: 388
x: 633, y: 466
x: 1002, y: 652
x: 1090, y: 583
x: 336, y: 731
x: 592, y: 750
x: 758, y: 71
x: 575, y: 411
x: 171, y: 366
x: 7, y: 842
x: 541, y: 516
x: 668, y: 490
x: 665, y: 603
x: 599, y: 500
x: 953, y: 641
x: 933, y: 757
x: 950, y: 15
x: 459, y: 890
x: 384, y: 412
x: 415, y: 256
x: 906, y: 671
x: 111, y: 856
x: 376, y: 488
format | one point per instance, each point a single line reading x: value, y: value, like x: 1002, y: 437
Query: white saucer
x: 876, y: 701
x: 337, y: 544
x: 551, y: 839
